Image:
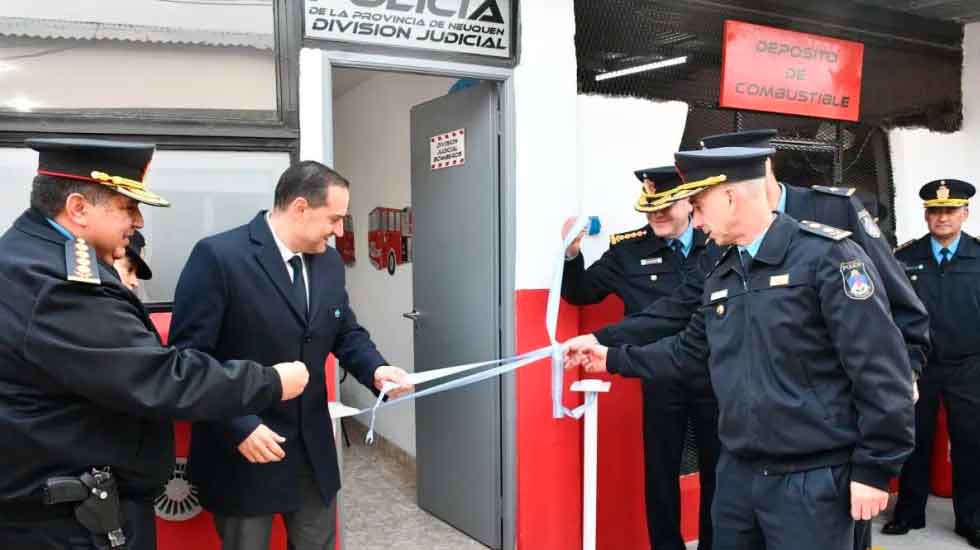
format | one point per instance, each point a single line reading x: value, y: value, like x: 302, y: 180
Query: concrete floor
x: 379, y: 511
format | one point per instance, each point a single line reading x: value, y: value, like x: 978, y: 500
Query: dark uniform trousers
x: 640, y: 268
x: 65, y: 533
x: 952, y: 295
x: 803, y: 387
x: 757, y: 508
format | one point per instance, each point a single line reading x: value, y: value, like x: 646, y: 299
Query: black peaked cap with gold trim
x: 747, y: 138
x: 946, y: 193
x: 658, y: 182
x: 119, y: 165
x: 705, y: 168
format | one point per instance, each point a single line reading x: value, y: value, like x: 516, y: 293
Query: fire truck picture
x: 345, y: 244
x: 390, y: 237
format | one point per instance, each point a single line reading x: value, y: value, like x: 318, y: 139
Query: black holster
x: 98, y: 508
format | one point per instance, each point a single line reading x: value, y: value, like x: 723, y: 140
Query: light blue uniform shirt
x: 936, y: 247
x: 686, y: 239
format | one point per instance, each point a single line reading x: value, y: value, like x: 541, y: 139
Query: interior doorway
x: 423, y: 156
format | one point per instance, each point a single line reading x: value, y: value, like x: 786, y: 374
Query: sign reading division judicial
x: 767, y: 69
x: 481, y: 27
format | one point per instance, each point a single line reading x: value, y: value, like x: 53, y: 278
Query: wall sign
x: 446, y: 150
x: 481, y: 27
x: 769, y: 69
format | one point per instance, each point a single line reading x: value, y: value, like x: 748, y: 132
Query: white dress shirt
x: 287, y: 255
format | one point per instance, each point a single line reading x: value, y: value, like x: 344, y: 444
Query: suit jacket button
x: 308, y: 339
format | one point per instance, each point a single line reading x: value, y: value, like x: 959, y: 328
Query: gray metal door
x: 457, y: 298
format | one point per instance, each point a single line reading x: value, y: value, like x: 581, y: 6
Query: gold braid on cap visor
x: 948, y: 203
x: 119, y: 181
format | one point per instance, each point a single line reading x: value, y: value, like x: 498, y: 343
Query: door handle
x: 413, y: 315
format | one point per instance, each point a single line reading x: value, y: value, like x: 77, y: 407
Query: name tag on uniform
x: 649, y: 261
x: 719, y: 294
x: 779, y: 280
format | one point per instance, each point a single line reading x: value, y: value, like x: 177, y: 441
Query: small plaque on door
x: 447, y: 150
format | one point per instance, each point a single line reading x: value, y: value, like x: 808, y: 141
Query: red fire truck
x: 345, y: 244
x: 390, y: 237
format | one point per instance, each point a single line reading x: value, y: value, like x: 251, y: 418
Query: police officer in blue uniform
x: 944, y: 267
x: 832, y: 206
x: 815, y: 408
x: 642, y: 266
x: 87, y: 393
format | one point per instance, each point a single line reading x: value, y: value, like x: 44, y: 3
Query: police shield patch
x: 869, y: 225
x: 857, y: 282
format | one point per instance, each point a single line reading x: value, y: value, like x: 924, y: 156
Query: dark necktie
x: 746, y: 259
x: 299, y: 289
x: 678, y: 247
x: 944, y: 257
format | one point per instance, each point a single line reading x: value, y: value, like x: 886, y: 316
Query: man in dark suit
x: 273, y: 288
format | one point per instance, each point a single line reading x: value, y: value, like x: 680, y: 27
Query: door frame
x: 504, y: 78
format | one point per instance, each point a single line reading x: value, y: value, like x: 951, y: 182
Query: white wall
x: 371, y: 148
x: 615, y: 138
x: 546, y: 96
x: 919, y: 156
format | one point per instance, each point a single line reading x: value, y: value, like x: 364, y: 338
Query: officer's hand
x: 866, y: 501
x: 396, y: 376
x: 576, y: 350
x: 262, y: 446
x: 294, y: 377
x: 576, y: 246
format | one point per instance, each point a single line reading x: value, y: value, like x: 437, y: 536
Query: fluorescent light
x: 641, y: 68
x: 22, y: 104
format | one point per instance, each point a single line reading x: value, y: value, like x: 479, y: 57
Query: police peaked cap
x: 665, y: 179
x: 705, y: 168
x: 748, y: 138
x: 119, y: 165
x: 946, y: 193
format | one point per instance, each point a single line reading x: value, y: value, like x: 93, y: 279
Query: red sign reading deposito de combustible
x: 767, y: 69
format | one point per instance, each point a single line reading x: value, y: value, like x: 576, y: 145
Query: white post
x: 590, y: 463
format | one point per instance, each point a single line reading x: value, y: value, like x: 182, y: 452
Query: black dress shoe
x: 901, y: 527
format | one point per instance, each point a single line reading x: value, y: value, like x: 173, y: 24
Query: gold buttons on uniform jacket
x: 653, y: 277
x: 720, y: 310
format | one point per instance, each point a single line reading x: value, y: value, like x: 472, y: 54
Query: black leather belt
x: 788, y: 465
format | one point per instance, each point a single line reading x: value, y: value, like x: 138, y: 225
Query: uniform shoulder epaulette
x: 629, y: 235
x: 839, y: 191
x: 904, y: 245
x: 81, y: 264
x: 824, y: 230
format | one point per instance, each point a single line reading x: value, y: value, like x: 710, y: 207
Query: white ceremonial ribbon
x: 558, y: 410
x: 506, y: 364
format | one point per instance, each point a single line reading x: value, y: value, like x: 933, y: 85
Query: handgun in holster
x: 98, y: 507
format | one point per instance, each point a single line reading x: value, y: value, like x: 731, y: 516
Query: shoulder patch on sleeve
x: 629, y: 235
x: 824, y: 230
x: 839, y: 191
x: 857, y: 283
x: 81, y: 264
x: 904, y: 245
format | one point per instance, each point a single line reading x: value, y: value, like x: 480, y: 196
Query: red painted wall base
x: 549, y: 451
